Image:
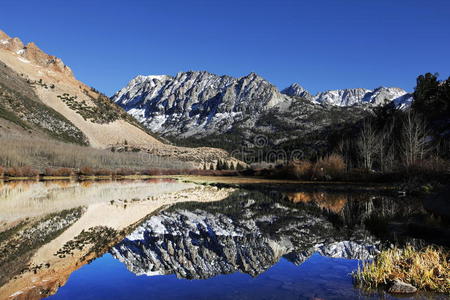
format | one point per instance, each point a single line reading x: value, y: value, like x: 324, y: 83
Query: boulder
x: 400, y: 287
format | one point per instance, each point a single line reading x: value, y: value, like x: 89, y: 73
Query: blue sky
x: 320, y: 44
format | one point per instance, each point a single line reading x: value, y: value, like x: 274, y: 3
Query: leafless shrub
x: 58, y: 172
x: 124, y: 171
x: 25, y: 171
x: 330, y: 167
x: 302, y: 169
x: 367, y: 144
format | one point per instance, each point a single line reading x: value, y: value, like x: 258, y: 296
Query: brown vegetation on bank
x: 25, y: 171
x: 333, y: 167
x: 58, y: 172
x: 426, y: 269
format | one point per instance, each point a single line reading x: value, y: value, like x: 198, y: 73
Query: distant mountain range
x: 349, y: 97
x: 200, y: 108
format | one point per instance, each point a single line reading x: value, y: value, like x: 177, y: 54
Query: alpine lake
x: 172, y: 238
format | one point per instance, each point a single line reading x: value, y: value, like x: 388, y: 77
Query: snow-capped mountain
x: 196, y: 102
x: 349, y: 97
x: 199, y: 104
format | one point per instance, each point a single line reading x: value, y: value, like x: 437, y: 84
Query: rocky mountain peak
x: 253, y: 77
x: 296, y: 90
x: 3, y: 35
x: 11, y: 44
x: 32, y: 53
x: 196, y: 100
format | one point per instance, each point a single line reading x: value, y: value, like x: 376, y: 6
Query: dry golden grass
x: 20, y: 151
x: 427, y: 269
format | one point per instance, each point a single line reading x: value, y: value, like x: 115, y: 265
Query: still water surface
x: 165, y: 239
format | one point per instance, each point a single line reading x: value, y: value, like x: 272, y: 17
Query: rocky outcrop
x: 38, y: 91
x: 296, y: 90
x: 33, y: 54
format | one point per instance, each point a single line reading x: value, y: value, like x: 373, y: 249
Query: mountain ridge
x: 199, y: 108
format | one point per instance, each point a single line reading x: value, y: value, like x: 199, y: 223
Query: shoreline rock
x: 399, y: 287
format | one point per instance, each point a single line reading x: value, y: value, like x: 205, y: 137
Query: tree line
x: 393, y: 138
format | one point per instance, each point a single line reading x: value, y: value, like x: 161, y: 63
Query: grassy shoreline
x: 426, y: 269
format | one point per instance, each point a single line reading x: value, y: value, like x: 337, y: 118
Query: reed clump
x: 427, y: 269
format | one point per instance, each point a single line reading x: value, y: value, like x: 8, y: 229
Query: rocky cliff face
x: 248, y: 236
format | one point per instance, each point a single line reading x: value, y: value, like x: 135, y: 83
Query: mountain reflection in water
x: 249, y: 232
x: 50, y: 231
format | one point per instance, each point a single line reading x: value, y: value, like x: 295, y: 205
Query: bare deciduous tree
x: 386, y: 146
x: 367, y: 144
x: 414, y: 139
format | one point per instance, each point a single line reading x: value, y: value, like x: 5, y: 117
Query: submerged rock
x: 400, y: 287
